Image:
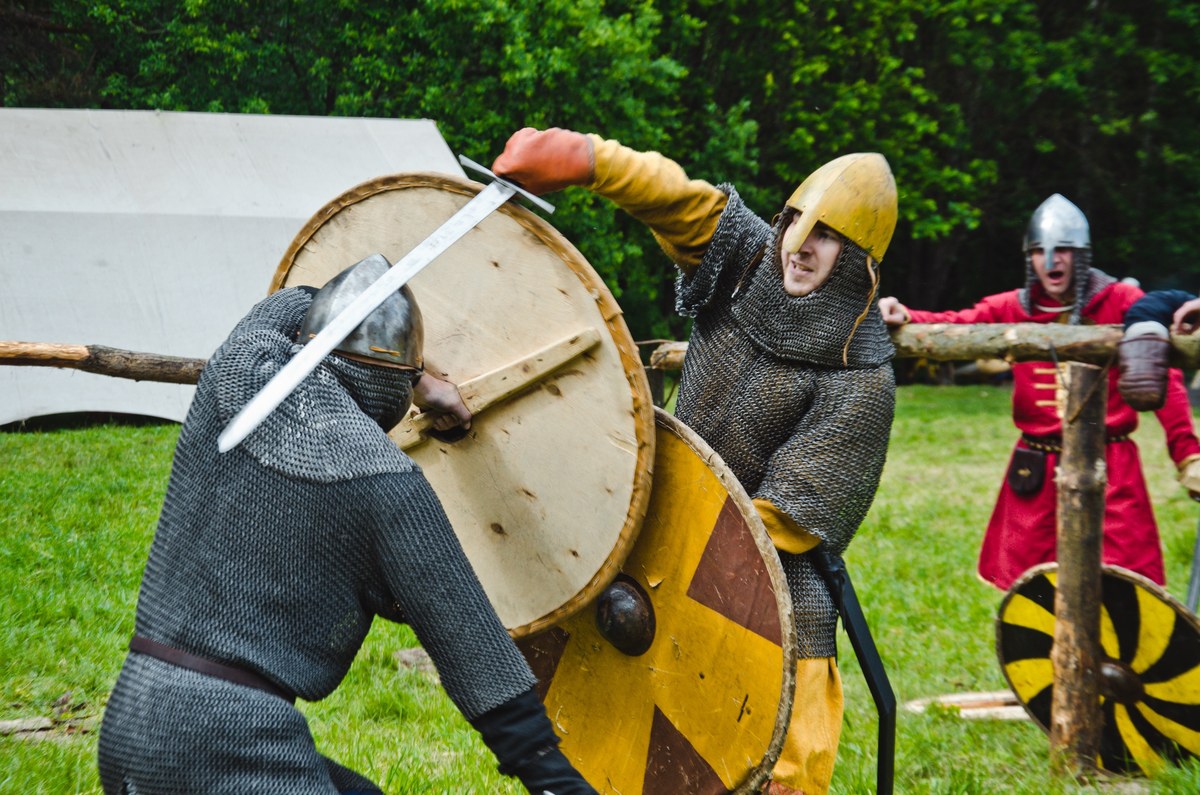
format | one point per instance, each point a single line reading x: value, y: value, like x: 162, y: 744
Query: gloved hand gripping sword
x: 284, y: 382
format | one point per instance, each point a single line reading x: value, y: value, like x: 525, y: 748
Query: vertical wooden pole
x: 654, y: 377
x: 1075, y: 721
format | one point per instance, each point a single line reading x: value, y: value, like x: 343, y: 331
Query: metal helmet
x: 1057, y: 223
x: 392, y: 334
x: 855, y: 195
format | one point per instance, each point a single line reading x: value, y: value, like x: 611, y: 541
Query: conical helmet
x: 855, y: 195
x: 1057, y: 223
x: 392, y: 334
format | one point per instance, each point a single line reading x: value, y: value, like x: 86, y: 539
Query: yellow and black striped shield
x: 1150, y: 675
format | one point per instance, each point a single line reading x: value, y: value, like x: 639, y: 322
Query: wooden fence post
x: 1075, y: 719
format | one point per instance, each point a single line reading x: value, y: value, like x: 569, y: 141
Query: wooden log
x: 1075, y: 719
x: 668, y: 356
x: 1012, y: 342
x: 115, y: 362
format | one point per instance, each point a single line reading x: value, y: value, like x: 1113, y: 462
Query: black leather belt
x: 1053, y: 444
x: 203, y: 665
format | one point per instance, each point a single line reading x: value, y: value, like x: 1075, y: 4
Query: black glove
x: 520, y: 735
x: 1142, y: 363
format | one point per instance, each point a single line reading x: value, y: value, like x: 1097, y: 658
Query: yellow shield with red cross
x: 679, y: 677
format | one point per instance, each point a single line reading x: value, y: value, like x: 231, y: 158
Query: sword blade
x: 315, y: 350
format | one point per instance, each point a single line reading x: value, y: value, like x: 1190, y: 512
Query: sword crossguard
x: 537, y: 201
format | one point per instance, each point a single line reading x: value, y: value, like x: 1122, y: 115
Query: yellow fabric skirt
x: 810, y: 748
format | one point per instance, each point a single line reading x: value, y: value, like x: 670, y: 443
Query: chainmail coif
x: 764, y: 384
x: 1087, y: 281
x: 275, y: 557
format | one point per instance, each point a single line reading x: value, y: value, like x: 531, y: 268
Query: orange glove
x: 547, y: 160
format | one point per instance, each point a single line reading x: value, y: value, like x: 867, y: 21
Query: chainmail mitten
x: 1142, y: 363
x: 520, y: 735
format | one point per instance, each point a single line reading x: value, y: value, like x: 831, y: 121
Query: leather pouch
x: 1027, y: 471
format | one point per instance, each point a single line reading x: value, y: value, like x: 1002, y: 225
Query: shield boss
x: 547, y: 489
x: 679, y: 678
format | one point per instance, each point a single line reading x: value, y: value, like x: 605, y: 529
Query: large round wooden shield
x: 679, y: 678
x: 548, y: 488
x: 1149, y: 678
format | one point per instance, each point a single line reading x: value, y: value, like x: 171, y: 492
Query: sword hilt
x: 537, y: 201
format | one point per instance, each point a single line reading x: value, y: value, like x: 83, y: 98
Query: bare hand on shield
x: 442, y: 401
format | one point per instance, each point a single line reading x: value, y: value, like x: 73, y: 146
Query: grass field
x: 77, y: 511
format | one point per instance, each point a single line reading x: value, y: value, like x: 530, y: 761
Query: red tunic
x: 1021, y: 532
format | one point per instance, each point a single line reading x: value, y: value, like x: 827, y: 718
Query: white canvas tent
x: 155, y: 232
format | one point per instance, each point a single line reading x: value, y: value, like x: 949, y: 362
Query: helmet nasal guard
x: 1057, y: 223
x: 392, y: 334
x: 855, y: 195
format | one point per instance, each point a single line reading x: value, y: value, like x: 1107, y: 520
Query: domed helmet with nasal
x: 392, y: 334
x: 382, y: 358
x: 854, y: 195
x: 1058, y: 223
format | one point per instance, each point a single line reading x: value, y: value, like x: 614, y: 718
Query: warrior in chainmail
x: 1062, y: 286
x: 271, y: 561
x: 787, y: 373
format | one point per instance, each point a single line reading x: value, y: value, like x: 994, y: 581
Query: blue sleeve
x: 1158, y: 305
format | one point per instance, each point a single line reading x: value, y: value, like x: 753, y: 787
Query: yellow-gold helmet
x: 855, y: 195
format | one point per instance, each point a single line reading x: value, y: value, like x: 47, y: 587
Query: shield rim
x: 610, y: 311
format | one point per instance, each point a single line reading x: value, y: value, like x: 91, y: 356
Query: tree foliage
x: 983, y: 107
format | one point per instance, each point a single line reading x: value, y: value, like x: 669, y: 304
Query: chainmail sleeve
x: 826, y: 474
x: 281, y: 313
x: 429, y: 577
x: 739, y: 237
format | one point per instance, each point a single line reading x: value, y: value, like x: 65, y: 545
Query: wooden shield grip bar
x: 491, y: 388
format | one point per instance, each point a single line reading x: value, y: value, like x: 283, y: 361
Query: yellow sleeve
x: 785, y: 533
x: 682, y: 213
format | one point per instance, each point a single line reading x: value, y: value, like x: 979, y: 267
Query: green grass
x: 77, y: 511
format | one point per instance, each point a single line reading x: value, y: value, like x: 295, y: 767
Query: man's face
x: 807, y: 269
x: 1055, y: 275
